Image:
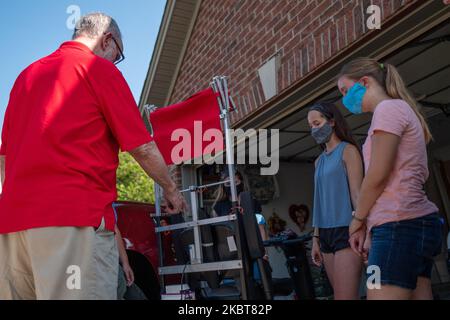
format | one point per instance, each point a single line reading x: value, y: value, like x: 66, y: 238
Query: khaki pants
x: 59, y: 263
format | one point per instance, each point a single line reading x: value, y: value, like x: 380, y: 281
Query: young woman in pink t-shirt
x: 394, y: 225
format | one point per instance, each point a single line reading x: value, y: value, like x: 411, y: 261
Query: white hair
x: 94, y: 25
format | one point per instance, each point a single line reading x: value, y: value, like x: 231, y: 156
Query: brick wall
x: 235, y: 37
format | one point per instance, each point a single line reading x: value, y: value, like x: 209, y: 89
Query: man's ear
x: 105, y: 41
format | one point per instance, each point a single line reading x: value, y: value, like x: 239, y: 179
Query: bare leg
x: 328, y: 260
x: 389, y: 292
x: 423, y: 290
x: 347, y: 275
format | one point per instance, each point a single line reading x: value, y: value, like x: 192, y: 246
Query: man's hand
x: 174, y: 202
x: 129, y: 274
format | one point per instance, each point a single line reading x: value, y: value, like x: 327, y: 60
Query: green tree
x: 133, y: 184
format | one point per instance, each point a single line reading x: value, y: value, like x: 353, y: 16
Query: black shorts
x: 333, y: 239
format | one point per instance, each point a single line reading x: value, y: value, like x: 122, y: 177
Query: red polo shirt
x: 67, y: 117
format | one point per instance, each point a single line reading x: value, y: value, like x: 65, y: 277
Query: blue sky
x: 33, y: 29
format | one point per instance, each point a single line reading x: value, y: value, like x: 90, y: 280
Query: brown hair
x: 330, y: 112
x: 389, y: 78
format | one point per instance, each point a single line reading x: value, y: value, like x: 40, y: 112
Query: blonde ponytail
x: 389, y: 78
x: 396, y: 88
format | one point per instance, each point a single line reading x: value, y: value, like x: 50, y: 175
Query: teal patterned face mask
x: 354, y: 97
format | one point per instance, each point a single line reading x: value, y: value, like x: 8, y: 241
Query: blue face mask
x: 354, y: 97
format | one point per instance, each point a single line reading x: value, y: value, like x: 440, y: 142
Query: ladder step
x: 201, y: 267
x: 196, y: 223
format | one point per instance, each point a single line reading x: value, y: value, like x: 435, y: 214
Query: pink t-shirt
x: 403, y: 197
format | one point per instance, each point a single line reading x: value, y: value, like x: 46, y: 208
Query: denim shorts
x: 404, y: 250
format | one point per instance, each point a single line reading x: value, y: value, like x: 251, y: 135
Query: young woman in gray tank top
x: 337, y: 180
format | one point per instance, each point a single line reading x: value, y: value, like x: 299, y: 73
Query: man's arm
x: 150, y: 159
x: 2, y: 169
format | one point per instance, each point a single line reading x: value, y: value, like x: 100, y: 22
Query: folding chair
x: 163, y: 121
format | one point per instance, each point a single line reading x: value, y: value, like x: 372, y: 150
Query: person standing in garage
x: 405, y: 227
x: 68, y: 115
x: 337, y: 179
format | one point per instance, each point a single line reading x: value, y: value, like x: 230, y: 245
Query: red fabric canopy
x: 194, y: 117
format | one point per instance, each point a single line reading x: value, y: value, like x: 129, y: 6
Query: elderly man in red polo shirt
x: 68, y: 115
